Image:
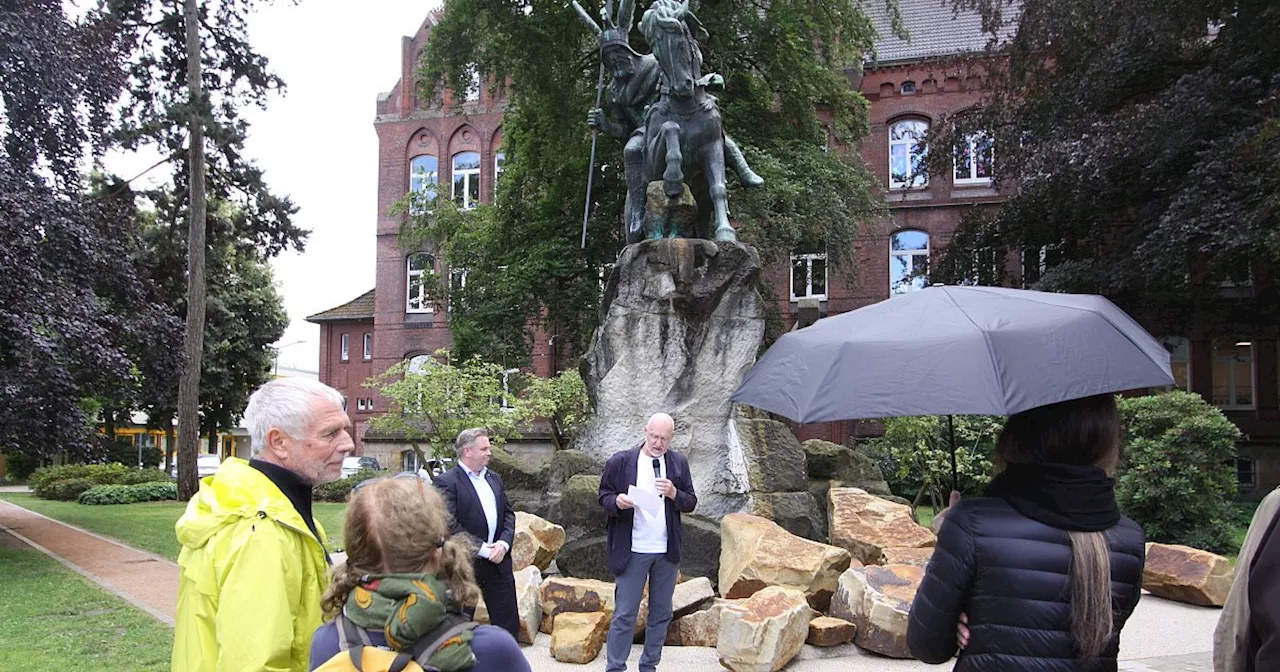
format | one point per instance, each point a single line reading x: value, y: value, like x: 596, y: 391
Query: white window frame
x: 1231, y: 404
x: 424, y: 185
x: 457, y: 281
x: 368, y: 347
x: 911, y: 261
x: 472, y: 93
x: 360, y: 404
x: 915, y: 180
x: 972, y: 142
x: 498, y: 159
x: 368, y: 404
x: 808, y: 260
x: 344, y: 348
x: 416, y: 299
x: 467, y: 174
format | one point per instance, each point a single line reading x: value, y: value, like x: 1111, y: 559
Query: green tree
x: 432, y: 404
x: 1177, y: 478
x: 784, y: 63
x: 563, y: 401
x: 915, y: 455
x: 1143, y: 140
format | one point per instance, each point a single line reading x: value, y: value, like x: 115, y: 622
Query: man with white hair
x: 644, y: 490
x: 253, y: 558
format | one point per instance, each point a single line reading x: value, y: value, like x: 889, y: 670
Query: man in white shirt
x: 644, y: 490
x: 478, y: 504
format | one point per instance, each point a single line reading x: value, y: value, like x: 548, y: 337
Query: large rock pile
x: 757, y: 552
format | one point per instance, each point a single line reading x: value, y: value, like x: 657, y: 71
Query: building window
x: 359, y: 404
x: 1246, y: 473
x: 908, y: 261
x: 419, y: 363
x: 809, y: 276
x: 975, y: 158
x: 368, y: 346
x: 409, y: 460
x: 498, y: 159
x: 1179, y: 360
x: 368, y: 404
x: 344, y: 350
x: 908, y: 87
x: 907, y: 155
x: 457, y: 285
x: 1232, y: 374
x: 466, y: 179
x: 424, y: 177
x: 420, y: 268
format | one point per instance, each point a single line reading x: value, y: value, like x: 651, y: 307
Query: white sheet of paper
x: 648, y: 500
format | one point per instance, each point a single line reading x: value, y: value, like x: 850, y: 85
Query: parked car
x: 434, y: 466
x: 350, y: 465
x: 206, y: 465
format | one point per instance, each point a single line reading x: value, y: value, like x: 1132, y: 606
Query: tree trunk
x: 189, y: 385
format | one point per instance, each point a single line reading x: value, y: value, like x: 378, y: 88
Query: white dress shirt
x: 488, y: 502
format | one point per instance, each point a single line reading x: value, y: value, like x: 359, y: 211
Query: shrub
x: 137, y: 476
x: 1177, y: 479
x: 129, y: 494
x: 66, y: 489
x: 126, y: 453
x: 338, y: 490
x: 96, y: 474
x: 915, y: 456
x: 18, y: 466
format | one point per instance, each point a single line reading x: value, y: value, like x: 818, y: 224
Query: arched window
x: 420, y: 266
x: 418, y: 362
x: 906, y: 156
x: 908, y: 261
x: 975, y: 157
x: 466, y: 179
x: 498, y: 159
x: 424, y: 176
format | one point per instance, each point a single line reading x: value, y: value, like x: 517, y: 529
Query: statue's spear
x: 591, y: 168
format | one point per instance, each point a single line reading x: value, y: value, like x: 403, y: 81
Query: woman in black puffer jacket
x: 1044, y: 569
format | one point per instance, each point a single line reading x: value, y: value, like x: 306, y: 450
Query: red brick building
x: 430, y: 148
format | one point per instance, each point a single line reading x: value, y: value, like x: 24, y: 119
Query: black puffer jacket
x: 1009, y: 574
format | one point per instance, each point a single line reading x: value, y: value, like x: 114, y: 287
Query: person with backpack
x: 396, y: 604
x: 1043, y: 572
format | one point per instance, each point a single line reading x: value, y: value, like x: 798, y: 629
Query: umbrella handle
x: 951, y: 429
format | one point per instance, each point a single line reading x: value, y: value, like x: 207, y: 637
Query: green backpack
x: 357, y: 652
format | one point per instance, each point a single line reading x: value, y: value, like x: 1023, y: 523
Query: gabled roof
x: 359, y: 308
x: 933, y: 30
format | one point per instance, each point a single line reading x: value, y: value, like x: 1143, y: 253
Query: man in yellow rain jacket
x: 253, y: 559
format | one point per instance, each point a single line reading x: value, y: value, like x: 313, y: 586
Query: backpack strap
x: 351, y: 635
x: 452, y: 625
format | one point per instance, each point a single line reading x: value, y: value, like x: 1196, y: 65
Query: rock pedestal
x: 1187, y: 575
x: 681, y: 324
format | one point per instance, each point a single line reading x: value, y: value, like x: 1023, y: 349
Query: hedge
x: 129, y: 494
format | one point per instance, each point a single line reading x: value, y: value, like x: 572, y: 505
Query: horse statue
x: 684, y: 132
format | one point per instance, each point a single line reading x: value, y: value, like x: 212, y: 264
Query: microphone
x: 657, y: 468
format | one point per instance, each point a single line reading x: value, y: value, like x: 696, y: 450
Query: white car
x: 206, y: 465
x: 350, y: 465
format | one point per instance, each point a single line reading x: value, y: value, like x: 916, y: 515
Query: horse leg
x: 633, y: 162
x: 673, y: 177
x: 713, y: 164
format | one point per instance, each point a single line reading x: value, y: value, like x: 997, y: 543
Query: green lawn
x: 148, y: 525
x: 55, y: 620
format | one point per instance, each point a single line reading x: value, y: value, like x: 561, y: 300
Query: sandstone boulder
x: 566, y: 464
x: 796, y: 512
x: 865, y: 525
x: 877, y: 600
x: 578, y: 637
x: 1187, y: 575
x: 578, y: 508
x: 701, y: 555
x: 700, y: 628
x: 829, y: 461
x: 908, y: 556
x: 537, y: 542
x: 690, y: 596
x: 775, y: 459
x: 559, y: 595
x: 756, y: 553
x: 764, y: 632
x: 528, y: 605
x: 585, y: 558
x: 525, y: 485
x: 828, y: 631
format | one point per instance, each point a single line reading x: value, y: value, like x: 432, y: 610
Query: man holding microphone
x: 644, y: 490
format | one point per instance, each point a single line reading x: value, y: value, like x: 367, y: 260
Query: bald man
x: 644, y: 546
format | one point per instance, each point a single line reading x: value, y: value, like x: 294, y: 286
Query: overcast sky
x: 317, y: 145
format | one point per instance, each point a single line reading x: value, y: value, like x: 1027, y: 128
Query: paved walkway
x: 1162, y: 636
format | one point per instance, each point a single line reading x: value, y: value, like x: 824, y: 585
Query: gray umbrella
x: 955, y: 350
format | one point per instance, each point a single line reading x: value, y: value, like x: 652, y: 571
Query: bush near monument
x: 1176, y: 478
x: 914, y: 455
x: 129, y: 494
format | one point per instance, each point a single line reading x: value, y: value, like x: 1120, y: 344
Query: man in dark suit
x: 644, y: 545
x: 478, y: 504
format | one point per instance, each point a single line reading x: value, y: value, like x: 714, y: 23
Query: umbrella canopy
x: 955, y: 350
